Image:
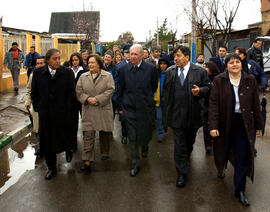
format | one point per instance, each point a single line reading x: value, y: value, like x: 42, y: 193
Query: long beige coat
x: 96, y: 117
x: 28, y: 102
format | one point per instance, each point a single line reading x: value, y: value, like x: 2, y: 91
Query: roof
x: 81, y: 22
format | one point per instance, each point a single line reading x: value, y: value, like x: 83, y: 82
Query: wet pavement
x: 110, y: 188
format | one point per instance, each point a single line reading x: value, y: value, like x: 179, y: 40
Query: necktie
x: 222, y: 60
x: 182, y: 77
x: 53, y: 73
x: 135, y: 68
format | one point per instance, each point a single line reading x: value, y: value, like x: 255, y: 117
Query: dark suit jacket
x: 135, y: 97
x: 197, y: 76
x: 220, y: 65
x: 53, y: 99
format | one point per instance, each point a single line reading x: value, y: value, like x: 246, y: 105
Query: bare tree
x: 86, y: 27
x: 214, y: 18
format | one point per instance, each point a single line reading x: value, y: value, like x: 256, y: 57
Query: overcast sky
x: 117, y: 16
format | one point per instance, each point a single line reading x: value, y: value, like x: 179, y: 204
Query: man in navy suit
x: 220, y: 59
x: 138, y: 81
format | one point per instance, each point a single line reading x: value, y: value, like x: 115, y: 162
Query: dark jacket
x: 53, y: 99
x: 220, y: 65
x: 135, y: 98
x: 256, y: 55
x: 112, y: 69
x: 197, y: 76
x: 28, y: 59
x: 220, y: 116
x: 257, y: 72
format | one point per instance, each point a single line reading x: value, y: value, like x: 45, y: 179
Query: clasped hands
x: 92, y: 101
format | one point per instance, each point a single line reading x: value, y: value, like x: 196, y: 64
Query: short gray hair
x: 137, y: 45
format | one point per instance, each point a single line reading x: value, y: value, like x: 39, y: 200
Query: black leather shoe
x: 124, y: 140
x: 38, y: 154
x: 68, y: 156
x: 86, y: 168
x: 181, y: 181
x: 221, y: 175
x: 255, y: 152
x: 144, y: 152
x: 105, y: 157
x: 50, y: 174
x: 134, y: 170
x: 160, y: 140
x: 242, y: 198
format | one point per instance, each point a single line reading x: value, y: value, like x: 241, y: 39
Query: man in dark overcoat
x: 53, y: 94
x: 137, y: 84
x: 185, y: 84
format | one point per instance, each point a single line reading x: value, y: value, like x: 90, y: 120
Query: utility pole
x: 193, y: 32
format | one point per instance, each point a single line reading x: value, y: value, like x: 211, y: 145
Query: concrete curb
x: 15, y: 136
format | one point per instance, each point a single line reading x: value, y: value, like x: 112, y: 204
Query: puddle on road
x: 15, y: 161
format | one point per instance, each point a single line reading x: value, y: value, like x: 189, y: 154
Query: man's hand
x: 92, y: 100
x: 214, y: 133
x: 121, y: 112
x: 195, y: 90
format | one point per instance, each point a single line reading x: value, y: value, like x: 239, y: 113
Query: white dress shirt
x: 52, y: 72
x: 235, y: 89
x: 186, y: 68
x: 76, y: 71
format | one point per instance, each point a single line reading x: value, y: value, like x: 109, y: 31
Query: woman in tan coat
x: 94, y: 90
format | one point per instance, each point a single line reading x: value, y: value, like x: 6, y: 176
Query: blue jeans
x: 160, y: 128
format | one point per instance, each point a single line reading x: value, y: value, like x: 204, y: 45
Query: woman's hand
x: 92, y: 100
x: 214, y: 133
x: 258, y: 132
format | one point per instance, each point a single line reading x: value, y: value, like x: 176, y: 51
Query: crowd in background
x: 146, y: 88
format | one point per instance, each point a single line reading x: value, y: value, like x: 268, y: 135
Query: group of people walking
x: 221, y: 95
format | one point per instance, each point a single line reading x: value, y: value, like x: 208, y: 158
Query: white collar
x: 186, y: 67
x: 79, y: 69
x: 51, y: 69
x: 139, y: 64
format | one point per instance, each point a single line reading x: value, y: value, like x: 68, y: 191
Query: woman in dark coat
x: 77, y: 69
x: 234, y: 120
x: 212, y: 71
